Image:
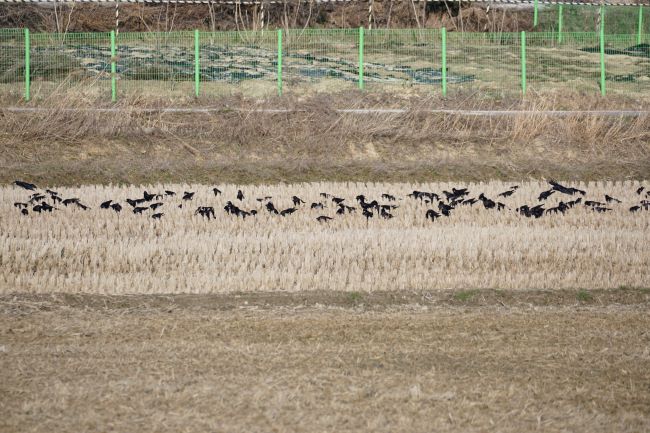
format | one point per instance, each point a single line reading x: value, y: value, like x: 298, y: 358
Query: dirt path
x: 415, y: 362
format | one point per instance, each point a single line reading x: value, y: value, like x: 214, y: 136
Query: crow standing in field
x: 297, y: 201
x: 106, y: 204
x: 610, y: 199
x: 640, y: 190
x: 317, y: 206
x: 147, y: 196
x: 169, y: 193
x: 25, y: 185
x: 535, y: 211
x: 240, y: 195
x: 288, y: 211
x: 188, y: 195
x: 271, y: 208
x: 338, y: 200
x: 155, y: 206
x: 388, y: 197
x: 20, y: 205
x: 323, y: 219
x: 545, y: 194
x: 157, y: 216
x: 207, y: 212
x: 216, y: 191
x: 445, y: 209
x: 139, y: 210
x: 116, y: 207
x: 432, y: 215
x: 366, y: 213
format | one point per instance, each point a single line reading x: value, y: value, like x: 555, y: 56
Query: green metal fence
x: 190, y: 64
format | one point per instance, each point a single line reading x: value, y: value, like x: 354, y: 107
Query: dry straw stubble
x: 98, y: 251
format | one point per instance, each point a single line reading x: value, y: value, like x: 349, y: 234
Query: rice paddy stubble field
x: 99, y: 251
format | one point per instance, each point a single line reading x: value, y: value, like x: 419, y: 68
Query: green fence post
x: 638, y: 35
x: 559, y: 25
x: 279, y: 62
x: 197, y: 71
x: 523, y: 62
x: 602, y: 51
x: 27, y: 67
x: 113, y: 68
x: 361, y: 58
x: 444, y: 62
x: 535, y: 14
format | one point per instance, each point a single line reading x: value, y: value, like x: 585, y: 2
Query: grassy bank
x: 315, y: 142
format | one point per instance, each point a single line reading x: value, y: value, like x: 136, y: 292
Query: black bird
x: 338, y: 200
x: 157, y: 216
x: 139, y: 210
x: 325, y: 195
x: 388, y: 197
x: 574, y: 202
x: 469, y: 201
x: 106, y: 204
x: 367, y: 214
x: 268, y: 197
x: 56, y: 199
x: 116, y: 207
x: 68, y: 201
x: 288, y: 211
x: 506, y: 193
x: 632, y: 209
x: 205, y: 212
x: 340, y: 210
x: 487, y: 203
x: 240, y: 195
x: 50, y: 192
x: 297, y: 201
x: 82, y: 206
x: 317, y: 206
x: 216, y: 191
x: 148, y: 197
x: 24, y: 211
x: 561, y: 207
x: 25, y: 185
x: 601, y: 209
x: 36, y: 198
x: 640, y: 190
x: 609, y: 199
x: 155, y: 206
x: 385, y: 214
x: 432, y: 215
x: 546, y: 194
x: 188, y: 195
x: 593, y: 203
x: 169, y: 193
x: 133, y: 203
x: 43, y: 207
x: 271, y: 208
x: 536, y: 211
x: 21, y: 205
x: 323, y: 219
x: 445, y: 209
x: 565, y: 190
x: 360, y: 198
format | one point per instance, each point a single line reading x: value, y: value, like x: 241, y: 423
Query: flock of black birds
x: 443, y: 205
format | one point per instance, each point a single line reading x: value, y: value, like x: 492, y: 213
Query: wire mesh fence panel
x: 572, y: 64
x: 238, y: 62
x: 12, y: 63
x: 402, y: 59
x: 490, y: 62
x: 317, y: 60
x: 575, y: 18
x: 77, y: 64
x: 156, y: 64
x: 627, y: 65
